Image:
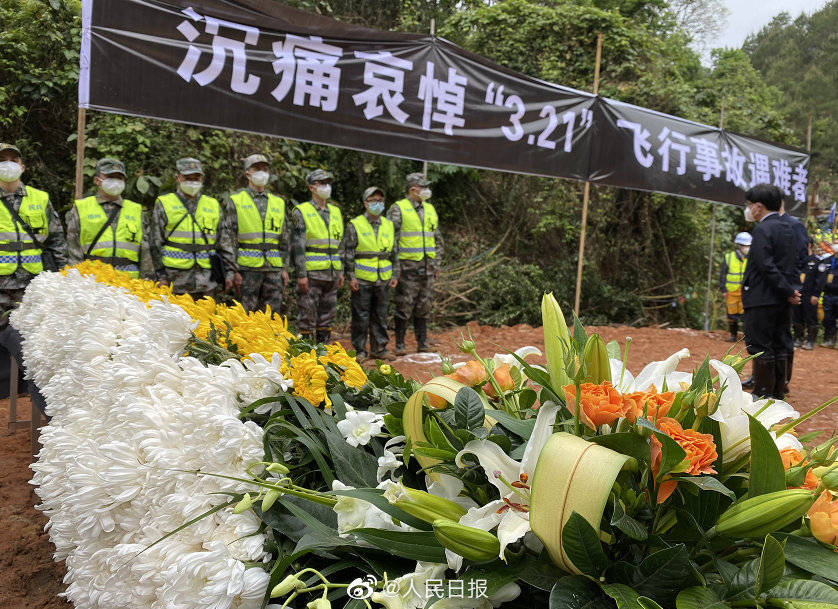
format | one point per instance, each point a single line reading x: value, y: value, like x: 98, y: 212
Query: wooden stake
x: 82, y: 121
x: 586, y: 195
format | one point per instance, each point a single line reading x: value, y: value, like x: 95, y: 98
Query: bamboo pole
x: 82, y: 122
x: 586, y: 195
x: 712, y: 241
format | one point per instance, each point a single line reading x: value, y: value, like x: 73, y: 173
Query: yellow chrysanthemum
x: 351, y: 372
x: 310, y: 378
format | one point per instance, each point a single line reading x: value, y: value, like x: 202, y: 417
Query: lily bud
x: 424, y: 506
x: 556, y: 339
x: 269, y: 499
x: 596, y: 360
x: 390, y: 601
x: 245, y: 504
x: 469, y: 542
x: 828, y: 476
x: 319, y: 603
x: 291, y: 582
x: 277, y: 468
x: 706, y: 404
x: 764, y: 514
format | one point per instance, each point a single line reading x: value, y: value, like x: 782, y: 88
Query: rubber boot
x: 811, y: 337
x: 324, y: 336
x: 733, y: 326
x: 789, y: 367
x: 420, y: 326
x: 829, y: 342
x: 400, y: 330
x: 799, y: 335
x: 780, y: 371
x: 764, y: 377
x: 748, y: 383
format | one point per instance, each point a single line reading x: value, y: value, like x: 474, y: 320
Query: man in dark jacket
x: 768, y: 289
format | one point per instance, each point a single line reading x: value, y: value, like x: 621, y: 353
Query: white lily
x: 654, y: 374
x: 449, y: 487
x: 408, y: 591
x: 732, y: 414
x: 510, y: 513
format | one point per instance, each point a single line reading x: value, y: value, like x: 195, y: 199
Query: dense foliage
x: 646, y: 258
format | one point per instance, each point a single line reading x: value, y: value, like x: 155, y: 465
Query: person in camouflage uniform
x: 186, y: 228
x: 259, y: 240
x: 419, y: 254
x: 110, y: 182
x: 317, y: 250
x: 371, y: 266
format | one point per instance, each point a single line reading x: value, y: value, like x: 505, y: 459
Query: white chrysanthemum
x: 360, y: 426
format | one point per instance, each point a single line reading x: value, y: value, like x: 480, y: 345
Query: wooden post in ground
x: 586, y: 195
x: 82, y: 121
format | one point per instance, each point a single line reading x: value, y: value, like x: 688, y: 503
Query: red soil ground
x: 30, y: 579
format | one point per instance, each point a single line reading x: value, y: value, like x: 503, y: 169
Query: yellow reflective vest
x: 259, y: 239
x: 321, y: 243
x: 372, y: 260
x: 185, y: 245
x: 417, y: 239
x: 121, y: 247
x: 735, y: 271
x: 16, y: 246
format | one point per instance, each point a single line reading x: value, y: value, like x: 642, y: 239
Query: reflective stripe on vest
x: 417, y: 239
x: 16, y: 246
x: 186, y: 247
x: 120, y: 249
x: 261, y: 236
x: 321, y: 244
x: 735, y: 271
x: 370, y: 265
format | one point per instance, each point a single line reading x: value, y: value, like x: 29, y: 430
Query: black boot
x: 748, y: 383
x: 400, y: 330
x: 789, y: 367
x: 324, y: 336
x: 811, y: 337
x: 799, y: 335
x: 733, y: 326
x: 764, y: 377
x: 420, y: 326
x: 780, y: 371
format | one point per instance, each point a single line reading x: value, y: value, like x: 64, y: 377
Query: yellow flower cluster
x: 256, y: 332
x: 308, y: 371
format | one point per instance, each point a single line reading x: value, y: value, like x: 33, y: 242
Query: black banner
x: 258, y: 66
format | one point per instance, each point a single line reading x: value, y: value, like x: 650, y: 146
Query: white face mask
x: 324, y: 191
x: 113, y: 186
x: 10, y: 171
x: 425, y: 194
x: 259, y: 178
x: 749, y: 216
x: 191, y: 188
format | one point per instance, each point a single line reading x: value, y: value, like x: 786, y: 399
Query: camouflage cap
x: 251, y: 160
x: 108, y: 166
x: 417, y: 179
x: 4, y: 147
x: 319, y: 175
x: 372, y: 190
x: 188, y: 165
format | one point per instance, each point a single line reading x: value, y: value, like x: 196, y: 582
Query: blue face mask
x: 376, y: 208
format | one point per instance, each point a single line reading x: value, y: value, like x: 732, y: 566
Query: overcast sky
x: 748, y: 17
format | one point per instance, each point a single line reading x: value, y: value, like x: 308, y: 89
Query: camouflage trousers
x: 316, y: 309
x: 9, y: 299
x: 414, y: 295
x: 261, y: 289
x: 369, y: 314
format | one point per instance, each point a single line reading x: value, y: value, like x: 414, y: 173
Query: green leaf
x: 708, y: 483
x: 468, y: 409
x: 803, y: 594
x: 526, y: 399
x: 626, y: 443
x: 580, y: 337
x: 671, y: 453
x: 699, y: 597
x: 541, y: 574
x: 660, y: 576
x: 581, y: 544
x: 520, y: 427
x: 627, y: 524
x: 407, y: 544
x: 767, y: 472
x: 808, y: 554
x: 623, y: 595
x: 742, y: 586
x: 578, y: 592
x: 436, y: 436
x: 376, y: 497
x: 648, y: 603
x: 772, y: 564
x: 353, y: 465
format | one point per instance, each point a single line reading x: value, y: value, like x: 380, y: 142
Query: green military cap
x: 417, y: 179
x: 4, y: 147
x: 251, y: 160
x: 371, y: 191
x: 108, y: 166
x: 319, y: 175
x: 189, y: 165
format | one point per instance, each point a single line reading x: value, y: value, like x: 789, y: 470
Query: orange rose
x: 823, y: 519
x: 654, y: 404
x: 503, y: 377
x: 471, y: 373
x: 700, y: 449
x: 792, y: 457
x: 601, y: 404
